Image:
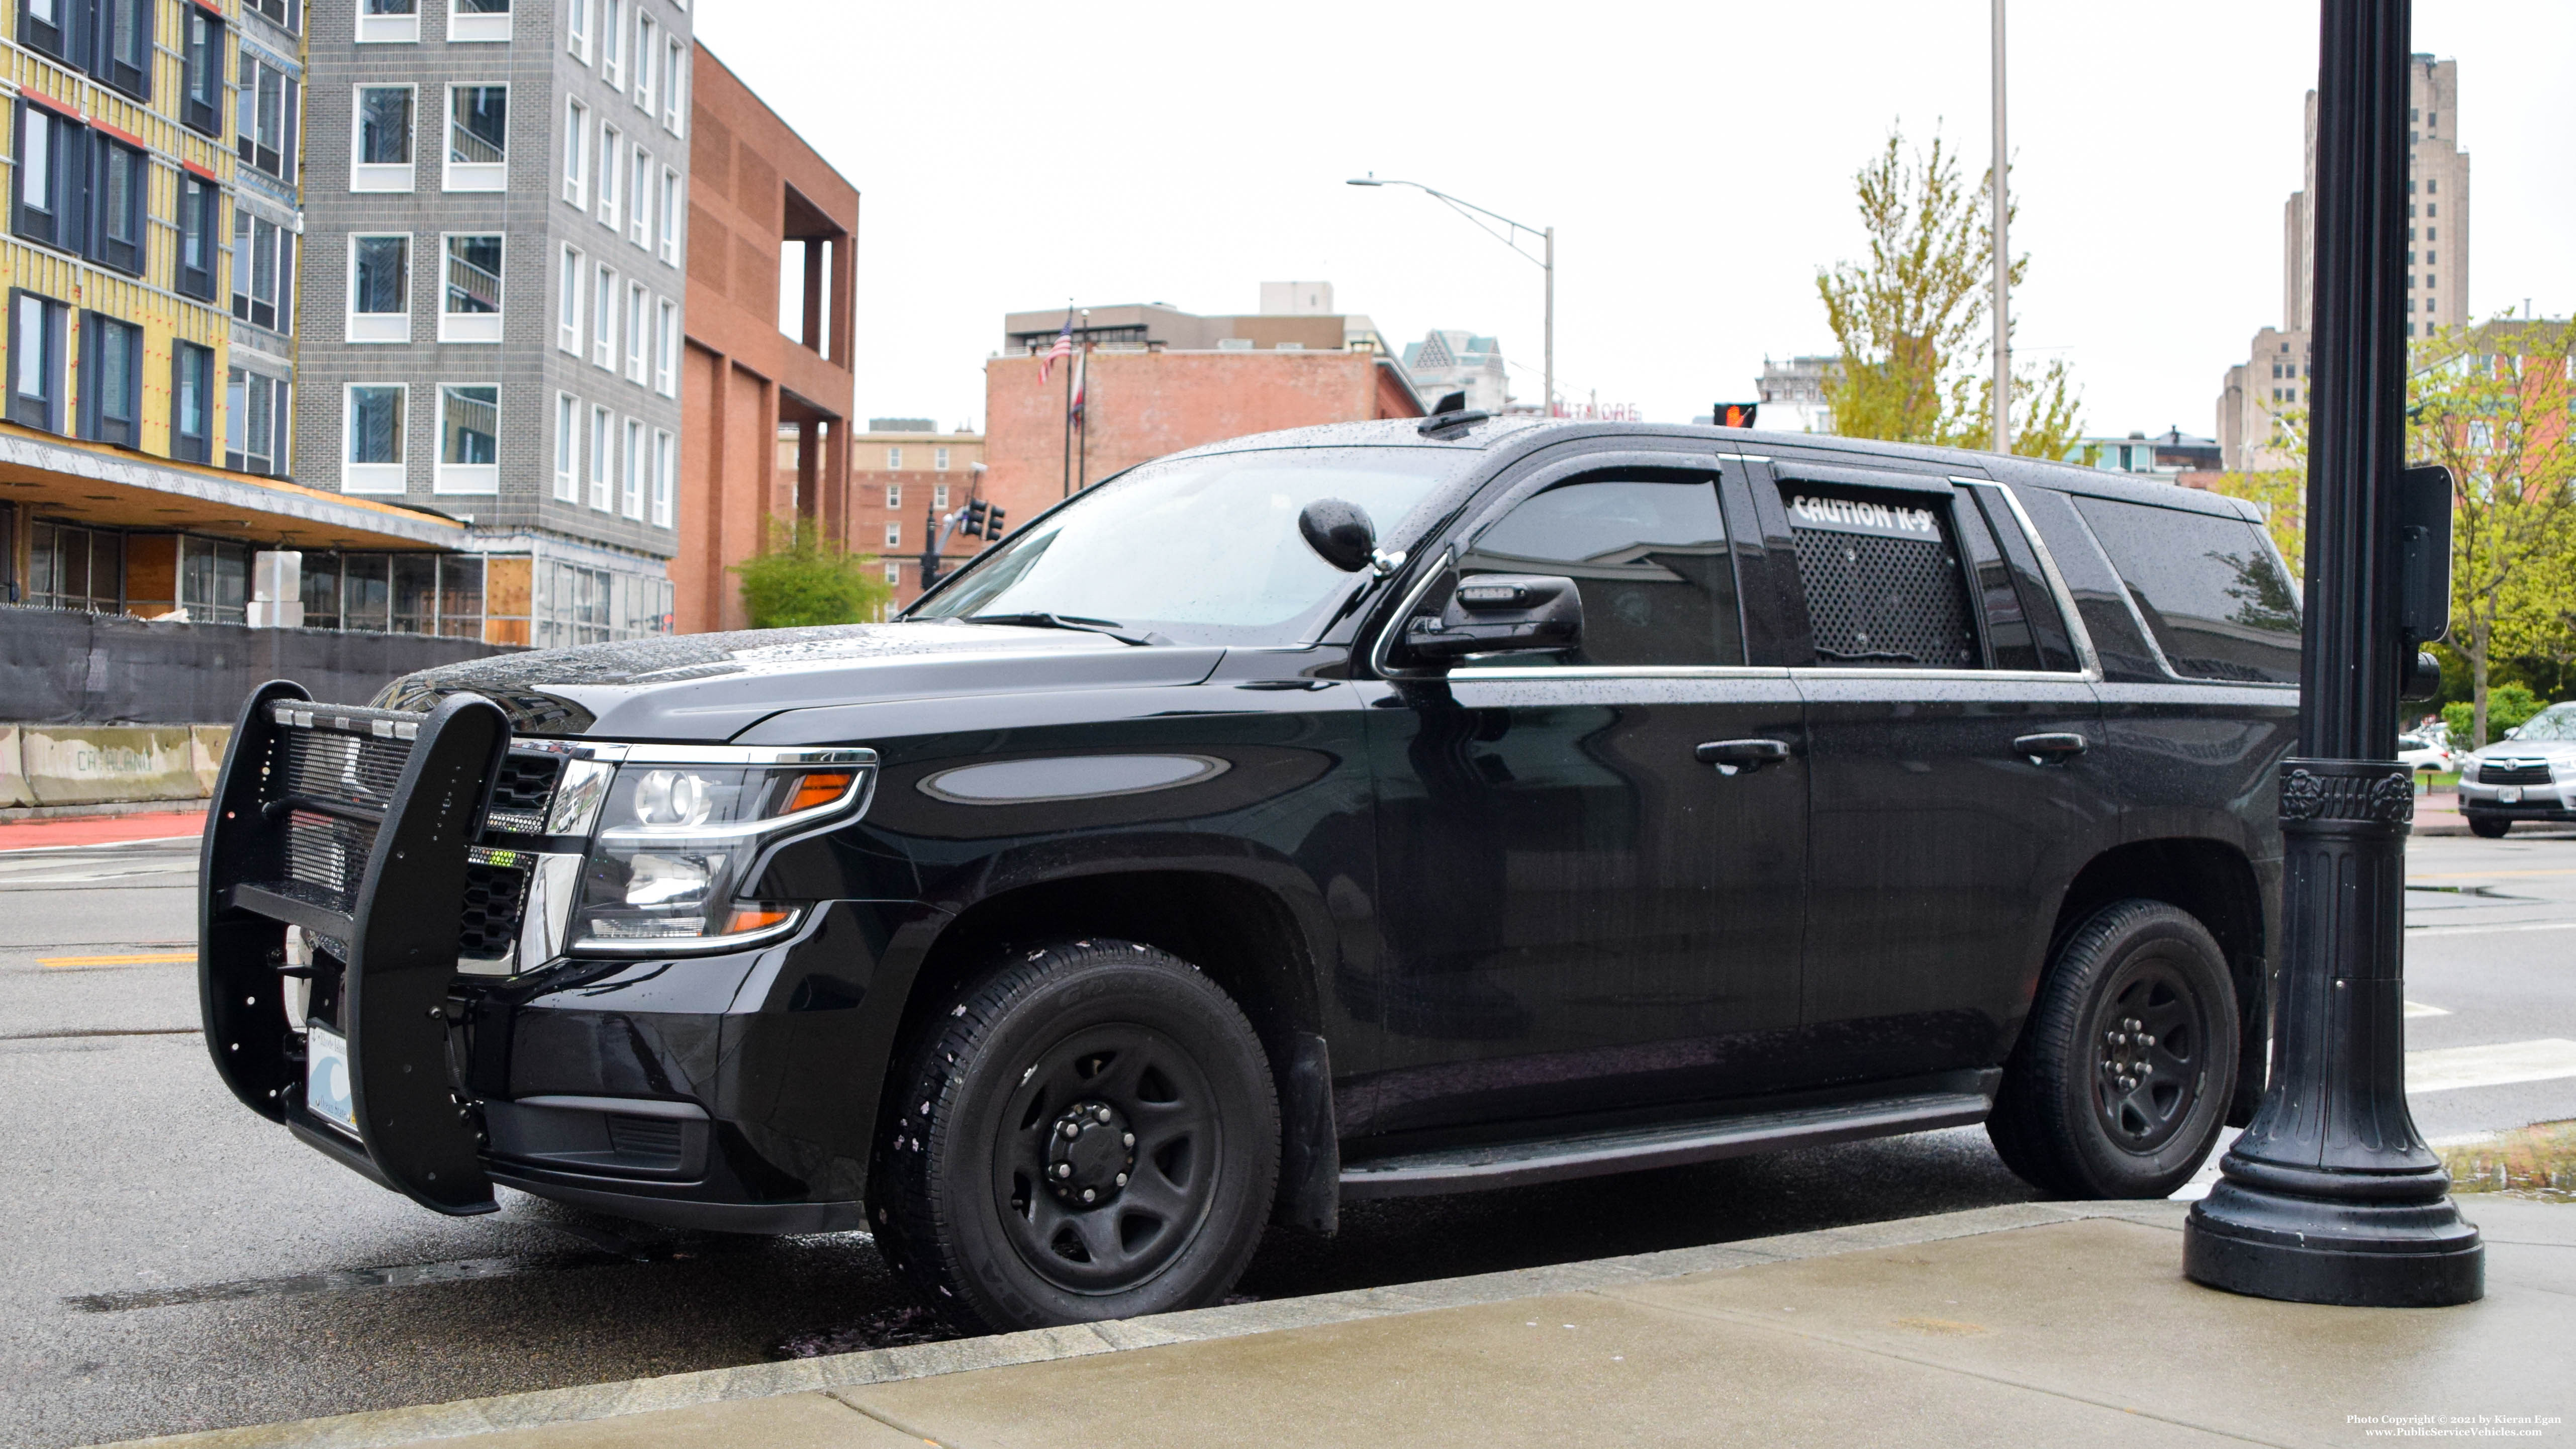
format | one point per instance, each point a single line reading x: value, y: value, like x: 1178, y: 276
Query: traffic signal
x: 974, y: 525
x: 993, y: 522
x: 1736, y: 415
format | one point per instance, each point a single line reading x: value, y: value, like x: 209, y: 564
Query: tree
x: 2491, y: 403
x: 805, y: 578
x: 2282, y: 493
x: 1913, y: 322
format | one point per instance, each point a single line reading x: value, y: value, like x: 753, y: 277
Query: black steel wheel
x: 2122, y: 1078
x: 2492, y: 827
x: 1090, y: 1132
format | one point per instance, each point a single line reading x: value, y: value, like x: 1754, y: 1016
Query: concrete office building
x: 492, y: 290
x: 2263, y: 395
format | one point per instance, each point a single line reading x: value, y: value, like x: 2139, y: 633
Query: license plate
x: 2510, y: 794
x: 326, y: 1079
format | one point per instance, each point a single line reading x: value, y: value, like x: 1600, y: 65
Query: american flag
x: 1063, y: 349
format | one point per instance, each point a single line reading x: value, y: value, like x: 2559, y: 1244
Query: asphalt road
x: 174, y: 1263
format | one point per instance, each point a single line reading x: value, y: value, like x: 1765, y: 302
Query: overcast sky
x: 1695, y: 159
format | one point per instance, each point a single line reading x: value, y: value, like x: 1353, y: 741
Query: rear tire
x: 2489, y: 826
x: 1088, y: 1132
x: 2122, y: 1078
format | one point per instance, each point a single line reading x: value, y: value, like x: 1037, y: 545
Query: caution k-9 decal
x: 1854, y: 515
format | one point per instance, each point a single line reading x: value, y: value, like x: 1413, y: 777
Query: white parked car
x: 2528, y: 775
x: 2424, y: 752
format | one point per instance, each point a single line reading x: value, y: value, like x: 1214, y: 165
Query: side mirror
x: 1339, y: 531
x: 1494, y: 613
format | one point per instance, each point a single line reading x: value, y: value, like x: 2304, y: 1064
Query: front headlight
x: 682, y: 832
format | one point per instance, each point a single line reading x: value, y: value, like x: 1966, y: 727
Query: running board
x: 1670, y: 1144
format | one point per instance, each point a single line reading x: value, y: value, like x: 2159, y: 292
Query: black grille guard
x: 397, y: 922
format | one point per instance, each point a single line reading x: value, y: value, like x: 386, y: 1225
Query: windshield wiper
x: 1110, y: 627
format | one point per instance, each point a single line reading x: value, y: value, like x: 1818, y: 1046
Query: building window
x: 636, y: 463
x: 375, y: 442
x: 470, y: 305
x: 477, y: 20
x: 263, y: 252
x: 648, y: 50
x: 567, y: 448
x: 285, y: 14
x: 894, y: 534
x: 603, y: 318
x: 45, y: 25
x: 124, y: 178
x: 577, y: 29
x: 639, y: 331
x: 939, y: 459
x: 192, y: 397
x: 121, y: 51
x: 602, y: 474
x: 76, y: 568
x: 894, y: 460
x: 201, y: 71
x: 568, y: 303
x: 675, y: 57
x: 37, y: 346
x: 382, y: 159
x: 53, y: 179
x: 612, y: 166
x: 666, y: 477
x: 257, y: 422
x: 612, y: 42
x: 894, y: 495
x: 200, y: 216
x: 478, y: 138
x: 670, y: 217
x: 388, y: 22
x: 666, y: 350
x: 380, y: 289
x: 576, y: 185
x: 639, y: 199
x: 469, y: 439
x: 260, y: 119
x: 939, y: 498
x: 894, y: 574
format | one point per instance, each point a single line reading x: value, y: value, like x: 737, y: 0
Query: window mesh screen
x: 1874, y: 599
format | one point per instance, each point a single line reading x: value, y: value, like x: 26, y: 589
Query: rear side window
x: 1882, y: 578
x: 2209, y: 588
x: 1646, y: 550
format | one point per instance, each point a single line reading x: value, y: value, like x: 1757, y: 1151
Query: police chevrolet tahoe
x: 1378, y: 809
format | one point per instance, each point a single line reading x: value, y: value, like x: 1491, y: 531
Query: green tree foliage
x: 2282, y: 493
x: 2492, y: 404
x: 804, y: 578
x: 2508, y: 705
x: 1914, y: 322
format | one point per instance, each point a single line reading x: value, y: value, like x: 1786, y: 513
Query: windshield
x: 1202, y: 549
x: 2558, y: 722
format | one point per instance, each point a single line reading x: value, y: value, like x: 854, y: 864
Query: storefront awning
x: 108, y: 487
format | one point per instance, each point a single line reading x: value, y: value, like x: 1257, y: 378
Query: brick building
x: 904, y: 477
x: 758, y: 189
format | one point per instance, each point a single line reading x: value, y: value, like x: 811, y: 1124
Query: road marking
x: 2480, y: 874
x: 2417, y: 1008
x: 100, y: 844
x: 2496, y: 1065
x: 140, y: 958
x: 2489, y: 930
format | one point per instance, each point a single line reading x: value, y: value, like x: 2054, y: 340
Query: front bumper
x: 2532, y: 802
x: 364, y: 855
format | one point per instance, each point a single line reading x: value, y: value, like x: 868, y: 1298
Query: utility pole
x: 1545, y: 263
x: 2331, y: 1196
x: 2003, y: 255
x: 1548, y: 367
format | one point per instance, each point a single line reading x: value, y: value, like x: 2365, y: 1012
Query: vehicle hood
x: 710, y: 687
x: 2560, y: 754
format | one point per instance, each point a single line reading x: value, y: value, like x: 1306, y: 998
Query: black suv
x: 1377, y: 809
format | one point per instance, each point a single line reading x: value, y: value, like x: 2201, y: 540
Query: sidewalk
x: 2041, y: 1324
x: 54, y: 832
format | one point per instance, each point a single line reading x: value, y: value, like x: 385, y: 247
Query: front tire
x: 2489, y: 826
x: 1089, y: 1133
x: 2122, y: 1078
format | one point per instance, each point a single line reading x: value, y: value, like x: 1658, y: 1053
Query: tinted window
x: 1647, y: 553
x: 1882, y: 577
x: 2209, y: 588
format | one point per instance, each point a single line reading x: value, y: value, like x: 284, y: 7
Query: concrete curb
x: 381, y: 1429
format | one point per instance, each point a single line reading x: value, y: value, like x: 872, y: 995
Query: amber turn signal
x: 753, y: 918
x: 822, y: 787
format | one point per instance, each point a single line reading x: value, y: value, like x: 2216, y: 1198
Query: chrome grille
x: 2513, y: 772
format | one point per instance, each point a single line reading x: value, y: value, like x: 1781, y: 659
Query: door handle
x: 2050, y: 749
x: 1736, y: 757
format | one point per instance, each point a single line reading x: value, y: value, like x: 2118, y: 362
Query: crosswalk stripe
x: 140, y: 958
x: 2495, y: 1065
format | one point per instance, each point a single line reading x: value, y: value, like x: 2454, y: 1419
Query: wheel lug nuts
x: 1122, y: 1179
x: 1104, y: 1114
x: 1127, y: 1139
x: 1064, y: 1169
x: 1088, y: 1194
x: 1070, y: 1130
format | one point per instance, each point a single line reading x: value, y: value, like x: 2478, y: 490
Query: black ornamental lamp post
x: 2331, y: 1196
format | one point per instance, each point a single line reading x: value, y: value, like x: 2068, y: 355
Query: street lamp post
x: 1546, y: 234
x: 2330, y: 1196
x: 2003, y: 256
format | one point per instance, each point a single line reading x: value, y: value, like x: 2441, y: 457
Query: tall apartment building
x: 2261, y: 394
x: 492, y: 289
x: 905, y: 476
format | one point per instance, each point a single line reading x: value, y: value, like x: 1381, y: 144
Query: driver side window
x: 1648, y: 554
